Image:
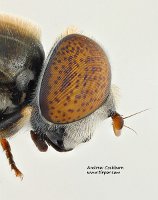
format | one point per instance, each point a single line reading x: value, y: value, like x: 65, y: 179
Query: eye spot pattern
x: 78, y: 80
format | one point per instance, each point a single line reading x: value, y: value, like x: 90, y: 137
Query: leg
x: 12, y: 123
x: 40, y: 144
x: 8, y: 127
x: 6, y: 147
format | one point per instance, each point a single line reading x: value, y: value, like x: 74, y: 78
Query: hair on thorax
x: 12, y: 26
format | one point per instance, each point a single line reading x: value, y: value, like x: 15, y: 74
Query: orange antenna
x: 118, y: 122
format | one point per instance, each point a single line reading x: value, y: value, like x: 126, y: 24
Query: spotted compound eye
x: 76, y: 80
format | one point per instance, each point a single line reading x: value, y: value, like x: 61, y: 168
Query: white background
x: 128, y: 30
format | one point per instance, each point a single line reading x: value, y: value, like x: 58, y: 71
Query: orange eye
x: 76, y: 81
x: 118, y: 123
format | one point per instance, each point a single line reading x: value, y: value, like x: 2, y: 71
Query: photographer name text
x: 105, y: 170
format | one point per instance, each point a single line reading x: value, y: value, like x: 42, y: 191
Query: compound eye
x: 76, y: 81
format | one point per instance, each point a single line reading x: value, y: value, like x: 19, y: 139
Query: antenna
x: 135, y: 113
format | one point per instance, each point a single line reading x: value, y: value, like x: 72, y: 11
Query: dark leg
x: 40, y: 144
x: 6, y: 147
x: 10, y: 124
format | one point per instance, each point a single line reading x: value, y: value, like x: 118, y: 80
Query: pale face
x: 65, y: 137
x: 68, y: 136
